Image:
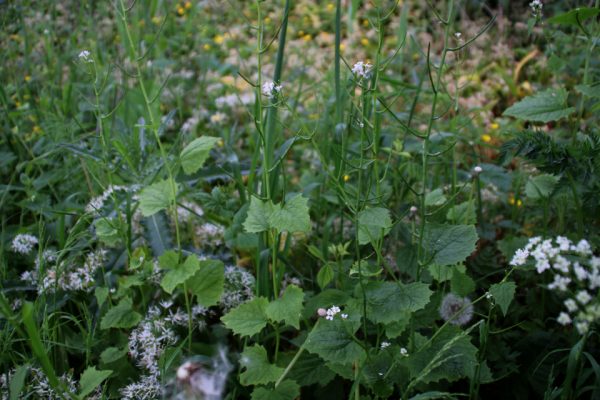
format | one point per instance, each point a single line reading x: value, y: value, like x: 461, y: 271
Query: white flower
x: 564, y: 244
x: 583, y: 297
x: 541, y: 265
x: 344, y: 316
x: 580, y: 272
x: 563, y: 318
x: 536, y: 8
x: 85, y: 56
x: 332, y: 312
x: 403, y: 352
x: 385, y: 345
x: 362, y: 70
x: 217, y: 118
x: 583, y: 248
x: 489, y: 296
x: 571, y: 305
x: 561, y: 264
x: 582, y: 327
x: 270, y: 89
x: 23, y: 243
x: 560, y: 283
x: 477, y: 170
x: 520, y: 257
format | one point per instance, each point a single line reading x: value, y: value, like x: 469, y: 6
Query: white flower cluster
x: 333, y: 311
x: 576, y: 274
x: 362, y: 69
x: 147, y: 388
x: 536, y: 8
x: 63, y: 277
x: 180, y: 317
x: 385, y: 345
x: 149, y: 339
x: 85, y: 56
x: 271, y: 89
x: 238, y: 288
x: 97, y: 203
x: 209, y: 234
x: 39, y: 384
x: 23, y: 243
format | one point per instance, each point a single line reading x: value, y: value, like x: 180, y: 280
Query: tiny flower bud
x: 322, y: 312
x: 413, y: 210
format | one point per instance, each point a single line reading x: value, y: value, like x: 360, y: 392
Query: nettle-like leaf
x: 589, y: 90
x: 91, y: 379
x: 196, y: 153
x: 435, y: 198
x: 548, y: 105
x: 247, y: 319
x: 540, y: 186
x: 292, y: 217
x: 287, y: 390
x: 333, y: 341
x: 450, y: 356
x: 264, y: 215
x: 503, y: 293
x: 575, y: 16
x: 288, y: 308
x: 179, y: 274
x: 207, y: 283
x: 121, y: 316
x: 463, y: 213
x: 373, y: 224
x: 387, y: 302
x: 259, y: 371
x: 461, y: 283
x: 449, y: 244
x: 157, y: 197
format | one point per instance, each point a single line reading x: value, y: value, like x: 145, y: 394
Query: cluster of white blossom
x: 576, y: 275
x: 85, y: 56
x: 456, y: 310
x: 149, y: 339
x: 24, y: 243
x: 180, y: 317
x: 209, y: 234
x: 97, y: 203
x: 362, y: 69
x: 238, y: 288
x: 39, y: 385
x: 536, y: 8
x: 62, y: 276
x: 271, y: 89
x: 331, y: 312
x: 233, y: 100
x: 147, y: 388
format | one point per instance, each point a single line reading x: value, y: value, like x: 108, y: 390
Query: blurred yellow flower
x: 156, y: 20
x: 267, y: 20
x: 346, y: 178
x: 228, y: 80
x: 512, y: 201
x: 27, y: 78
x: 494, y: 126
x: 486, y: 138
x: 180, y: 10
x: 218, y: 39
x: 206, y: 47
x: 364, y: 41
x: 188, y: 5
x: 307, y: 37
x: 342, y: 47
x: 365, y: 23
x: 330, y: 7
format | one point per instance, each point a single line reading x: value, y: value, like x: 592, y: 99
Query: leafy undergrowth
x: 299, y: 199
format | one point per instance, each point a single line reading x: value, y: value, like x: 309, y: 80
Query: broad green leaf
x: 247, y: 319
x: 461, y: 283
x: 449, y: 244
x: 308, y: 370
x: 258, y: 215
x: 325, y: 275
x: 287, y: 390
x: 503, y: 294
x: 443, y: 273
x: 113, y: 354
x: 157, y: 197
x: 373, y: 224
x: 106, y: 230
x: 540, y: 186
x: 589, y: 90
x: 388, y: 301
x: 91, y: 379
x: 181, y: 273
x: 332, y: 341
x: 292, y: 217
x: 101, y: 294
x: 395, y: 329
x: 450, y: 356
x: 288, y: 308
x: 121, y: 316
x: 435, y: 198
x: 195, y: 154
x: 17, y: 382
x: 548, y: 105
x: 207, y: 283
x: 365, y: 268
x: 572, y: 17
x: 169, y: 259
x: 258, y: 369
x: 463, y: 213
